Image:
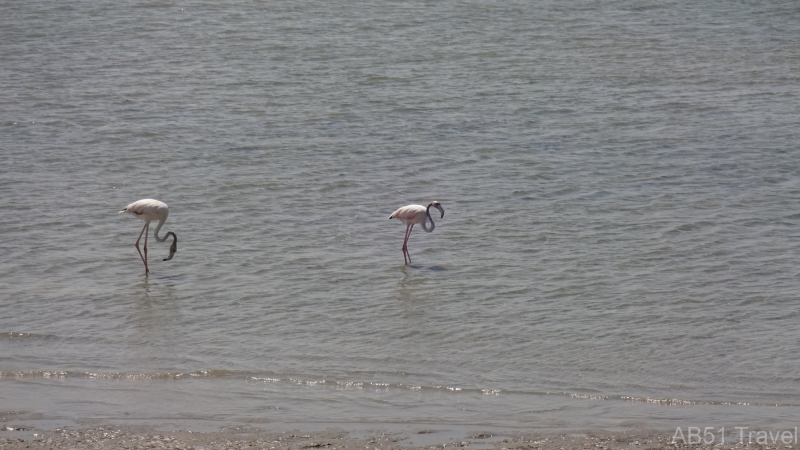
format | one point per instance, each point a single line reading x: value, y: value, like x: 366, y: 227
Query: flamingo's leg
x: 146, y: 269
x: 405, y: 241
x: 405, y: 244
x: 145, y: 246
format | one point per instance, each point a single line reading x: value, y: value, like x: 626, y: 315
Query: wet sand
x: 115, y: 437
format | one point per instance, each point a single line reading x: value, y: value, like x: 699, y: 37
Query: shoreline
x: 107, y: 437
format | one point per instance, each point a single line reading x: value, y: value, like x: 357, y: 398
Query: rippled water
x: 620, y: 245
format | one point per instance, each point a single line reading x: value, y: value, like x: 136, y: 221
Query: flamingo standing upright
x: 148, y: 210
x: 414, y: 214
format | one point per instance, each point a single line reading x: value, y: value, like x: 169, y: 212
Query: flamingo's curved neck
x: 172, y: 248
x: 158, y: 228
x: 428, y: 213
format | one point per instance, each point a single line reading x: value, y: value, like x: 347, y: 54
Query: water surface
x: 619, y: 248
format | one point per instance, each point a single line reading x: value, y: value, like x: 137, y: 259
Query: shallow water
x: 619, y: 246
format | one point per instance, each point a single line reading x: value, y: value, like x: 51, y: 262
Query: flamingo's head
x: 438, y: 206
x: 172, y: 248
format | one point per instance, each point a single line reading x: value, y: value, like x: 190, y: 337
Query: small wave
x: 33, y: 336
x: 33, y: 374
x: 347, y: 385
x: 686, y: 402
x: 114, y: 375
x: 329, y: 383
x: 666, y: 401
x: 655, y: 401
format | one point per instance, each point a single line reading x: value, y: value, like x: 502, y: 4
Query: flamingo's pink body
x: 412, y: 215
x: 149, y: 210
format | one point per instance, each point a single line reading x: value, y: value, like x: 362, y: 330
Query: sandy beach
x: 115, y: 437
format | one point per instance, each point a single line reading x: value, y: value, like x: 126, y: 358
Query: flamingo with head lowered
x: 414, y: 214
x: 149, y: 210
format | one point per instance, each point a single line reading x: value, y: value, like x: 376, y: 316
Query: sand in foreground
x: 111, y: 437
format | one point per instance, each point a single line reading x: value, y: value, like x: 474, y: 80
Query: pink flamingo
x: 148, y: 210
x: 414, y: 214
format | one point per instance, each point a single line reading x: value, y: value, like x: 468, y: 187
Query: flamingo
x: 148, y: 210
x: 414, y: 214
